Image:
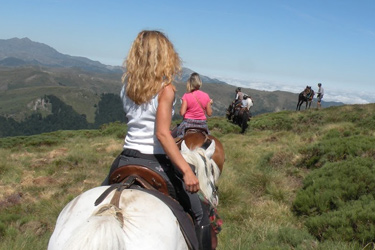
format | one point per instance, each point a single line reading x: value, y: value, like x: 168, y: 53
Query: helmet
x: 238, y: 89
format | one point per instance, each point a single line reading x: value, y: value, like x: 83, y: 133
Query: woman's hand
x: 191, y: 182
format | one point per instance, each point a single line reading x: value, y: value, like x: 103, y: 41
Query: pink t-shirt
x: 194, y: 110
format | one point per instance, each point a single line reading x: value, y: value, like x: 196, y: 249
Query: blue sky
x: 267, y: 45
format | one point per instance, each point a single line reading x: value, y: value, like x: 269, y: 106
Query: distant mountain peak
x: 26, y: 39
x: 34, y: 53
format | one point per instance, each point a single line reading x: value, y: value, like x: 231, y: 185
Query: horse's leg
x: 245, y: 118
x: 299, y: 105
x: 229, y: 112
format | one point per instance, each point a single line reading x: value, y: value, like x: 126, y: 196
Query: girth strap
x: 125, y: 184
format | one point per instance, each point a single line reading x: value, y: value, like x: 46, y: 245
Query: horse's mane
x: 206, y: 170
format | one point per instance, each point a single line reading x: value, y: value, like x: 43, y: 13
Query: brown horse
x: 197, y: 138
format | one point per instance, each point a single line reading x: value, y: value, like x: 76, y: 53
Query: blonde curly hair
x: 151, y: 61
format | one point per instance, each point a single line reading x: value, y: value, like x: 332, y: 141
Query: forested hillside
x: 60, y: 116
x: 30, y: 71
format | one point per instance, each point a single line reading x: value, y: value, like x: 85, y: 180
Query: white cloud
x: 331, y: 95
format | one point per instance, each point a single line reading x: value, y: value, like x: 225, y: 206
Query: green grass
x: 277, y: 176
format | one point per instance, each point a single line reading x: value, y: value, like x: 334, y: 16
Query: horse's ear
x: 211, y: 149
x: 184, y: 148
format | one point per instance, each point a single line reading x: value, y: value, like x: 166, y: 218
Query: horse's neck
x: 207, y: 173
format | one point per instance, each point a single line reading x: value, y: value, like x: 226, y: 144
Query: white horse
x: 141, y: 221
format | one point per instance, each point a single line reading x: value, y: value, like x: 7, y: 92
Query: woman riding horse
x: 148, y: 98
x: 130, y: 215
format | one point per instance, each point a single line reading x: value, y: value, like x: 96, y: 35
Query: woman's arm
x: 163, y: 123
x: 183, y: 107
x: 209, y: 108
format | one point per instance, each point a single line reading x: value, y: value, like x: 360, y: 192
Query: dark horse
x: 238, y: 115
x: 305, y: 96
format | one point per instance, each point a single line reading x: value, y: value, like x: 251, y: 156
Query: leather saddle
x: 192, y: 130
x: 149, y: 174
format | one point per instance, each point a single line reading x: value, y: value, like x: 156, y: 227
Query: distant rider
x: 239, y: 96
x: 238, y: 99
x: 247, y: 102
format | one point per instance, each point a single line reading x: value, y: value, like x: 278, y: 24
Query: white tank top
x: 141, y: 133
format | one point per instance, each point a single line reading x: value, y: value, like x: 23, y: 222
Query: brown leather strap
x: 200, y: 104
x: 143, y: 175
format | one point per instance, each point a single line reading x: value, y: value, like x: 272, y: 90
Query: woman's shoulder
x: 202, y: 93
x: 167, y: 91
x: 186, y: 95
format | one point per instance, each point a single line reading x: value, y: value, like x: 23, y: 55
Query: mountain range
x: 30, y: 70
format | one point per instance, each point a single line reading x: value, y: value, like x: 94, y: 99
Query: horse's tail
x: 103, y: 230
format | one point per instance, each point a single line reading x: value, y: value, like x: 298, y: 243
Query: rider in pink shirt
x: 196, y: 104
x: 194, y: 110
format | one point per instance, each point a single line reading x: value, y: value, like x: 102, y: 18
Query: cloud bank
x: 330, y: 94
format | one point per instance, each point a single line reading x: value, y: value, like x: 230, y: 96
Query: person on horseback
x: 239, y: 96
x: 148, y: 98
x: 196, y: 104
x: 244, y: 114
x: 234, y: 107
x: 247, y: 102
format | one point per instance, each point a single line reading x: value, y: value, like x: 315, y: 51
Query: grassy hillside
x: 264, y: 188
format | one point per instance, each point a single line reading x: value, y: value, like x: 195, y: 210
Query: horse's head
x: 196, y: 140
x: 206, y: 170
x: 307, y: 89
